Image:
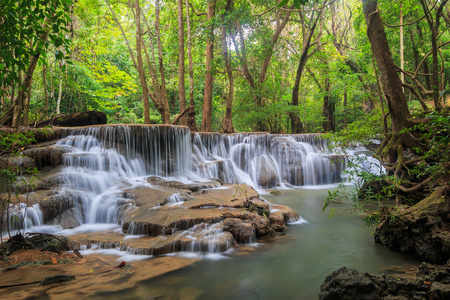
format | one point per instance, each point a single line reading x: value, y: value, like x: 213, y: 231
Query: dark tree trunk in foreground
x: 392, y: 85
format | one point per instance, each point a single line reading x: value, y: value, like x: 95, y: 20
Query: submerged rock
x: 57, y: 279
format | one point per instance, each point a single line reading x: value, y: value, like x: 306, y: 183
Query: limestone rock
x: 348, y: 284
x: 193, y: 187
x: 421, y: 229
x: 46, y: 156
x: 432, y: 282
x: 242, y: 232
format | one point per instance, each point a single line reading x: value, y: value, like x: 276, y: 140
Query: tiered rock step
x: 199, y: 239
x: 197, y: 224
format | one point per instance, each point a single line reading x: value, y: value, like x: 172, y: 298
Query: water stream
x: 102, y: 162
x: 292, y: 267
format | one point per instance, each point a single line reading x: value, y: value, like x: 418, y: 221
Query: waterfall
x: 266, y: 160
x: 102, y: 161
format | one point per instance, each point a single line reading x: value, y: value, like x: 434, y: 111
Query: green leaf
x: 297, y: 4
x: 283, y: 3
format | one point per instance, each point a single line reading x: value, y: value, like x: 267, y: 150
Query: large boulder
x: 422, y: 229
x: 242, y: 232
x: 432, y: 282
x: 266, y: 171
x: 50, y: 156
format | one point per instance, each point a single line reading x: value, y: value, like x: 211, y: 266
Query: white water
x: 102, y: 161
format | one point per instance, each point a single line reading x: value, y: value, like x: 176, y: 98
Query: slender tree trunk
x: 140, y: 64
x: 296, y: 124
x: 207, y: 96
x: 345, y: 109
x: 227, y: 124
x: 181, y: 89
x: 18, y: 106
x: 164, y: 107
x: 392, y: 85
x: 402, y: 59
x: 24, y: 87
x: 328, y: 108
x: 191, y: 112
x: 123, y: 33
x: 44, y: 83
x: 58, y: 102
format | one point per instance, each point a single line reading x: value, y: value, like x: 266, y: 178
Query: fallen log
x: 74, y: 120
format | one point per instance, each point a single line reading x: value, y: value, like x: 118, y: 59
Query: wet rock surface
x: 423, y: 229
x: 432, y: 282
x: 49, y: 156
x: 193, y: 187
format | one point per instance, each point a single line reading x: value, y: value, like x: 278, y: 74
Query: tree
x: 191, y: 112
x: 207, y: 97
x: 227, y: 124
x: 181, y: 90
x: 140, y: 64
x: 27, y: 31
x: 308, y: 32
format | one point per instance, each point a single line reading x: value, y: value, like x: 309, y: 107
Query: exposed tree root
x: 391, y: 155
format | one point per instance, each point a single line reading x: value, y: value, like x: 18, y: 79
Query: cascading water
x: 265, y: 160
x: 101, y: 162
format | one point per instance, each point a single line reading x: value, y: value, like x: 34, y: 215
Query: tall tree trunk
x: 328, y: 108
x: 25, y: 86
x: 191, y: 112
x: 140, y: 64
x: 227, y: 124
x: 58, y: 102
x: 207, y: 96
x: 123, y: 33
x: 345, y: 109
x: 296, y: 124
x: 392, y: 85
x: 164, y: 106
x: 181, y: 89
x: 402, y: 59
x: 44, y: 83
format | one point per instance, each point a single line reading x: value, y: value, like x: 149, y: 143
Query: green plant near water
x: 377, y: 189
x: 369, y: 188
x: 11, y: 181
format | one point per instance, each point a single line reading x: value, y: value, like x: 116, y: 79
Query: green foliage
x: 23, y: 26
x: 360, y: 132
x: 370, y: 193
x: 10, y: 182
x: 437, y: 134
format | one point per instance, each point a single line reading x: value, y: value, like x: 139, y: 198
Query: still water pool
x: 292, y: 267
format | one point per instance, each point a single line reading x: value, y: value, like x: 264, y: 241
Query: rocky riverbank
x: 422, y: 230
